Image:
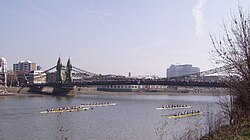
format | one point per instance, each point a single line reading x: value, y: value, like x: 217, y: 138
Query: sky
x: 143, y: 37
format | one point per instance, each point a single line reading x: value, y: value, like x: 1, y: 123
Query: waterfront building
x: 37, y: 77
x: 132, y: 88
x: 180, y: 70
x: 22, y: 71
x: 12, y: 78
x: 119, y: 88
x: 24, y: 66
x: 3, y: 71
x: 39, y: 68
x: 51, y: 77
x: 77, y: 77
x: 153, y: 88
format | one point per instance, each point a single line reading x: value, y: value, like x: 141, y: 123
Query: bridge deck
x: 137, y: 82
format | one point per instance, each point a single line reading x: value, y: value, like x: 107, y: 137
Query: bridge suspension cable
x: 46, y: 71
x: 83, y: 71
x: 216, y: 70
x: 208, y: 72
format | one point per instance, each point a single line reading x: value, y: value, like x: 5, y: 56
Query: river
x: 133, y: 118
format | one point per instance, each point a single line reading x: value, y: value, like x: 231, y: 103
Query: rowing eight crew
x: 102, y: 103
x: 66, y: 108
x: 187, y: 112
x: 173, y: 106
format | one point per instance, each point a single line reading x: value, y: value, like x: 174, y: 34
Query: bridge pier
x: 52, y: 90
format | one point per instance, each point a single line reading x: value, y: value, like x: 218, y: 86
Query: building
x: 3, y: 71
x: 22, y: 71
x: 24, y: 66
x: 51, y: 77
x: 37, y: 77
x: 180, y: 70
x: 153, y: 88
x: 78, y: 77
x: 131, y: 88
x: 39, y: 68
x: 119, y: 88
x: 11, y: 79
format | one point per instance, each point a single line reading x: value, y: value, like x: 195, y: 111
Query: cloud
x: 199, y: 18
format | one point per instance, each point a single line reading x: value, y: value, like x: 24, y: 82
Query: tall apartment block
x: 24, y: 66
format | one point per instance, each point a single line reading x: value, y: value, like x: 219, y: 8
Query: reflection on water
x: 134, y: 117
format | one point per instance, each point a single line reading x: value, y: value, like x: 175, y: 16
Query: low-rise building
x: 119, y: 88
x: 51, y: 77
x: 154, y: 88
x: 37, y: 77
x: 132, y: 88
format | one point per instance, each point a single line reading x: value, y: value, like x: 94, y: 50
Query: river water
x: 133, y: 118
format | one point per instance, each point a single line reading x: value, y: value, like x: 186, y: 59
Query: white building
x: 180, y: 70
x: 3, y: 65
x: 37, y: 77
x: 3, y: 71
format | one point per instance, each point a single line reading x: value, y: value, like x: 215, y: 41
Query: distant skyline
x: 143, y: 37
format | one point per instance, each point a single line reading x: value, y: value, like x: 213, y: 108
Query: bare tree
x: 233, y: 50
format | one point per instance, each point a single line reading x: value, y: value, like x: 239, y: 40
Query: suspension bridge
x: 64, y: 83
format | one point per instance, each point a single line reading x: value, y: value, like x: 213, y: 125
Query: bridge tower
x: 59, y: 71
x: 68, y: 72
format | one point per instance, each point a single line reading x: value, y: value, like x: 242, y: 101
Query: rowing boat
x: 99, y: 105
x: 65, y: 110
x: 170, y: 108
x: 183, y: 116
